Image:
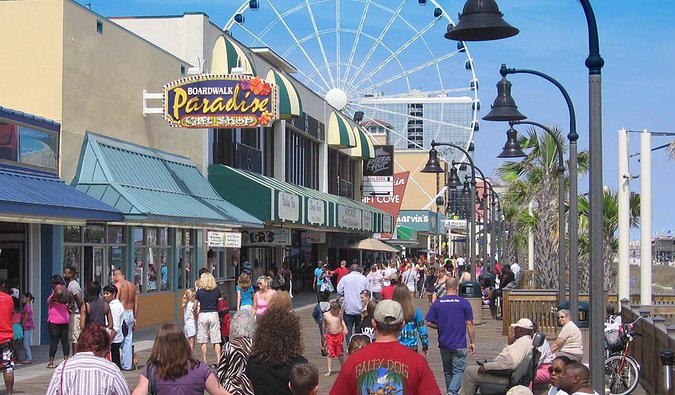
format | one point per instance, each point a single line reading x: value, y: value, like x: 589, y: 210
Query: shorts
x: 74, y: 327
x: 7, y: 357
x: 246, y: 307
x: 208, y: 328
x: 334, y: 344
x: 190, y: 330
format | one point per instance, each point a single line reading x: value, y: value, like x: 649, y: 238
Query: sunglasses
x: 556, y: 370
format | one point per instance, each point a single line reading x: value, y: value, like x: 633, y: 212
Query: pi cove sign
x: 220, y: 101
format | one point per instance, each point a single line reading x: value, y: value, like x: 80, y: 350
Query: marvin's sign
x: 220, y: 101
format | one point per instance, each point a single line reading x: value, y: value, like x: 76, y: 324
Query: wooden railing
x: 655, y: 337
x: 541, y: 306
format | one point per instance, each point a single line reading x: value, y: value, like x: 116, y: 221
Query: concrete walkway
x: 34, y: 379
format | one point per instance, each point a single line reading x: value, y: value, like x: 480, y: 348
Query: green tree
x: 610, y: 226
x: 534, y: 178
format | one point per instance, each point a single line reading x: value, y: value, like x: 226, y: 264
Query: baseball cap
x: 388, y: 312
x: 519, y: 390
x: 523, y: 323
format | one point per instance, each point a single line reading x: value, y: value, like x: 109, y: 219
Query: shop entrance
x: 11, y: 262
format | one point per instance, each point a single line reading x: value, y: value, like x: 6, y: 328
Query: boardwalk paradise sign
x: 220, y: 101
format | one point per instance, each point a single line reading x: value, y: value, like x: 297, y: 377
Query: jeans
x: 454, y: 363
x: 127, y: 350
x: 58, y: 332
x: 26, y: 345
x: 355, y: 320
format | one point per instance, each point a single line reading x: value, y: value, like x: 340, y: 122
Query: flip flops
x: 50, y: 366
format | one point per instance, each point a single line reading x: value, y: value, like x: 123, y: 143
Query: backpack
x: 223, y: 307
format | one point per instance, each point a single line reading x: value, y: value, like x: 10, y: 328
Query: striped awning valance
x: 364, y: 145
x: 340, y: 134
x: 290, y: 104
x: 226, y: 55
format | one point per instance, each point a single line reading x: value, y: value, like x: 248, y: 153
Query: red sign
x: 391, y: 204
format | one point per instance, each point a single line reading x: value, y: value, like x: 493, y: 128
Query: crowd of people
x: 372, y: 326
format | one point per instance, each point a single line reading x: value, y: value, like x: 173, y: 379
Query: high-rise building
x: 413, y: 120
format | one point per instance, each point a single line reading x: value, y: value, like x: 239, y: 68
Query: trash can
x: 490, y: 277
x: 583, y: 318
x: 470, y: 290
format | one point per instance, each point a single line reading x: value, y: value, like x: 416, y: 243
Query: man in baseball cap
x: 520, y: 344
x: 388, y: 365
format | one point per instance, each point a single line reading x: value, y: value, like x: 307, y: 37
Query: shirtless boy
x: 126, y: 293
x: 334, y: 329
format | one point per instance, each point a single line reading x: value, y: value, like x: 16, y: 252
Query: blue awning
x: 153, y: 186
x: 29, y: 194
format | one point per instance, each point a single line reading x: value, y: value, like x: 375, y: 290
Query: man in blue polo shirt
x: 444, y: 316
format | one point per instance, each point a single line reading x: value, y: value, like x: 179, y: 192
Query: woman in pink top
x: 58, y: 318
x: 262, y: 296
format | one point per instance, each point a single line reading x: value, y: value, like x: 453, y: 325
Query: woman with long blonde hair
x: 208, y: 321
x: 414, y: 321
x: 263, y: 296
x: 189, y: 320
x: 172, y: 369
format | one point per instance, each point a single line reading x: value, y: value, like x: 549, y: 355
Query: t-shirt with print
x: 318, y: 272
x: 450, y: 313
x: 193, y: 383
x: 387, y: 367
x: 74, y: 288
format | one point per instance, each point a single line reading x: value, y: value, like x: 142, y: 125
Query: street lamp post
x: 481, y: 20
x: 486, y: 185
x: 572, y: 137
x: 433, y: 166
x: 515, y: 153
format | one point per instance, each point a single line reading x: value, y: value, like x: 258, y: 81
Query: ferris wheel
x: 379, y: 57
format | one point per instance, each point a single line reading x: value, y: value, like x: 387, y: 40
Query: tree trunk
x: 546, y: 238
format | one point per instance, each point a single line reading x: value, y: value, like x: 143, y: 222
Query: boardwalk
x: 34, y: 379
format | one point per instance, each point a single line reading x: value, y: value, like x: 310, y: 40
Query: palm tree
x: 610, y: 209
x: 534, y: 179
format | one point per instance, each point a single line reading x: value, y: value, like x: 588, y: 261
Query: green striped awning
x: 226, y: 55
x: 364, y: 145
x: 290, y: 105
x: 271, y: 200
x: 340, y: 134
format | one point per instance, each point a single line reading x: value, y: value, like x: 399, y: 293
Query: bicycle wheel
x: 621, y: 381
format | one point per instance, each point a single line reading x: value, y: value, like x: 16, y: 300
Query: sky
x: 637, y: 42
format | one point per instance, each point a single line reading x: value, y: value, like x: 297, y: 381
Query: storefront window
x: 186, y: 257
x: 152, y: 264
x: 116, y: 255
x: 72, y: 256
x: 94, y: 234
x: 72, y: 234
x: 115, y: 234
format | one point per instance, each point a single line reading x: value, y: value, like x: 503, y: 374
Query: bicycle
x: 622, y: 372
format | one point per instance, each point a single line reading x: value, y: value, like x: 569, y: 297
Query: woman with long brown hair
x: 414, y: 321
x: 277, y: 347
x: 171, y: 368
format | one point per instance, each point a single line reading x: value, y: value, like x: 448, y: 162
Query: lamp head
x: 512, y: 147
x: 504, y: 107
x: 466, y: 191
x: 358, y: 116
x: 481, y: 20
x: 453, y: 179
x: 433, y: 165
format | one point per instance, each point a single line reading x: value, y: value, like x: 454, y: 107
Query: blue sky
x: 637, y: 42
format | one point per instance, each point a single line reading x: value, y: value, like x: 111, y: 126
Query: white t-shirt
x: 515, y: 268
x: 74, y: 288
x: 555, y: 391
x: 188, y: 315
x: 388, y: 272
x: 117, y: 312
x: 460, y: 260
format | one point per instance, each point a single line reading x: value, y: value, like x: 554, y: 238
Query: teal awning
x: 153, y: 186
x: 271, y: 200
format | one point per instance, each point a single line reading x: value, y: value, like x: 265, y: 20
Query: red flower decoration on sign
x: 257, y: 85
x: 265, y: 118
x: 266, y: 89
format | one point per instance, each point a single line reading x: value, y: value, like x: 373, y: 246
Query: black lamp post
x: 510, y: 152
x: 486, y: 185
x: 505, y: 113
x: 434, y: 166
x: 594, y: 63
